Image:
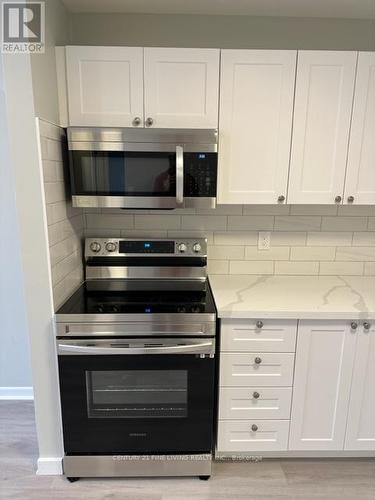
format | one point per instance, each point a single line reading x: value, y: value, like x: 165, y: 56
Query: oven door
x: 137, y: 397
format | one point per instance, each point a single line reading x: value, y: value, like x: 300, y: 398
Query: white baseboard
x: 16, y: 393
x: 49, y: 466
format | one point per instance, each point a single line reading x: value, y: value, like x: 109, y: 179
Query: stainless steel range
x: 136, y: 355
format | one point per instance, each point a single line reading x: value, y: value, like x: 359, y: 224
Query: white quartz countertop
x: 294, y: 297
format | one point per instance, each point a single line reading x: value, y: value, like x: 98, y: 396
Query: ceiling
x: 357, y: 9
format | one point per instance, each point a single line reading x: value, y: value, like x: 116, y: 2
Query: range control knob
x: 95, y: 246
x: 197, y: 247
x: 110, y: 246
x: 182, y: 248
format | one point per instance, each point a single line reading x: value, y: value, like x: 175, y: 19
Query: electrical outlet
x: 264, y: 240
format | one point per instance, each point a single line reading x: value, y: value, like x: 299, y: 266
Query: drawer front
x: 269, y: 336
x: 256, y: 369
x: 237, y: 435
x: 241, y: 403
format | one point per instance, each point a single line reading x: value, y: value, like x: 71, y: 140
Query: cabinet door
x: 323, y: 371
x: 256, y: 108
x: 181, y: 87
x: 322, y: 112
x: 105, y: 86
x: 360, y: 433
x: 360, y: 175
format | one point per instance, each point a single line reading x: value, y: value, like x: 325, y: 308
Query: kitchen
x: 285, y: 244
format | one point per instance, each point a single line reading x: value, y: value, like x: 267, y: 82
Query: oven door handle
x: 179, y: 175
x: 70, y: 348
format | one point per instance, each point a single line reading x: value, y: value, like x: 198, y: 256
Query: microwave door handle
x: 179, y: 175
x: 201, y: 348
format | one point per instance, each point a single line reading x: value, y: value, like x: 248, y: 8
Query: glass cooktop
x: 85, y: 301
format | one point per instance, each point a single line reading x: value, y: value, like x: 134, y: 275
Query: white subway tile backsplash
x: 274, y: 253
x: 366, y: 238
x: 344, y: 223
x: 357, y: 210
x: 266, y: 209
x: 297, y: 268
x: 343, y: 268
x: 184, y: 233
x: 288, y: 238
x: 204, y: 222
x: 221, y: 210
x: 362, y: 254
x: 228, y: 252
x: 251, y: 267
x: 218, y: 266
x: 111, y: 221
x: 371, y: 223
x: 313, y: 210
x: 312, y: 253
x: 54, y: 191
x: 369, y: 269
x: 329, y: 238
x: 235, y: 237
x: 164, y: 222
x: 250, y: 223
x: 297, y: 223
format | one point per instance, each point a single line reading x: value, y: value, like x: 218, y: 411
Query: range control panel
x: 118, y: 247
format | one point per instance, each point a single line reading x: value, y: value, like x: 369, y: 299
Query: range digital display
x: 146, y: 246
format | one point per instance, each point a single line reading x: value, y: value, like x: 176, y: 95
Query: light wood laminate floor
x: 270, y: 479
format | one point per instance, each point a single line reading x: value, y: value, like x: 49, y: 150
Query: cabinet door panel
x: 323, y: 370
x: 360, y: 433
x: 182, y: 87
x: 105, y: 85
x: 322, y: 112
x: 256, y: 108
x: 360, y: 176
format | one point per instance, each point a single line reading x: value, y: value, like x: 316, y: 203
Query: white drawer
x: 273, y: 369
x: 269, y: 336
x: 240, y: 403
x: 237, y: 435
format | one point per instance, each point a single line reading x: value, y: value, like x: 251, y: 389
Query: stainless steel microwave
x: 148, y: 168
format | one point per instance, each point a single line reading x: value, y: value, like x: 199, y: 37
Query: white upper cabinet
x: 360, y: 177
x: 181, y: 87
x: 105, y: 86
x: 256, y: 109
x: 322, y: 378
x: 360, y: 433
x: 322, y: 113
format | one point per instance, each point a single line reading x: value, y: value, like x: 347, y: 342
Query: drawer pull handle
x: 254, y: 427
x: 366, y: 325
x: 256, y: 395
x: 353, y: 325
x: 257, y: 360
x: 259, y: 324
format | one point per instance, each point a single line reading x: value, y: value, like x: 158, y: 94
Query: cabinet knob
x: 350, y: 199
x: 281, y: 198
x: 136, y: 121
x: 354, y: 325
x: 256, y: 395
x: 259, y: 324
x: 366, y: 325
x: 254, y: 427
x: 338, y: 199
x: 149, y: 122
x: 257, y: 360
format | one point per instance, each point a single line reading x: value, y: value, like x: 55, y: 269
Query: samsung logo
x: 138, y: 434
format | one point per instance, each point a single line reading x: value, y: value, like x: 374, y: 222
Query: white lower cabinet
x: 360, y: 431
x: 323, y: 372
x: 253, y: 435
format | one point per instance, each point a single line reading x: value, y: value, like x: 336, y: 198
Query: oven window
x: 108, y: 173
x: 137, y: 394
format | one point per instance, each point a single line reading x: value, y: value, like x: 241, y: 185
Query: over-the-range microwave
x: 148, y: 168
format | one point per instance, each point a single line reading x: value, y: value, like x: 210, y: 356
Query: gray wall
x: 221, y: 31
x: 14, y: 352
